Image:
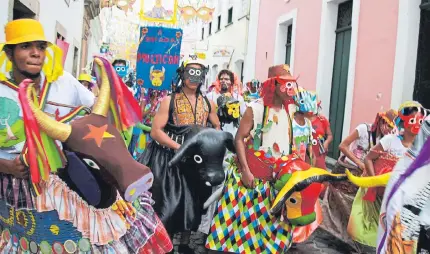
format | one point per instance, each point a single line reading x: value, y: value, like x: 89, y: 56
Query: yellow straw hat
x: 29, y: 30
x: 85, y: 77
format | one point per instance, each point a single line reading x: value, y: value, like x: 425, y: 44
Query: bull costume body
x: 90, y: 196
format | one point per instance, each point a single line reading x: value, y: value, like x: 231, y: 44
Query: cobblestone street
x: 320, y: 242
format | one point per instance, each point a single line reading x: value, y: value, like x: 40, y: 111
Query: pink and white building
x: 361, y: 56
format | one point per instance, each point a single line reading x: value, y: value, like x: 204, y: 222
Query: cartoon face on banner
x: 157, y: 76
x: 121, y: 71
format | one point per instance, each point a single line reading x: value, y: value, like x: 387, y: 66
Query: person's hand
x: 362, y: 166
x: 248, y: 179
x: 17, y: 168
x: 325, y: 147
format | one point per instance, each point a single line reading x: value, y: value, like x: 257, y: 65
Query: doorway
x: 340, y: 75
x: 422, y: 71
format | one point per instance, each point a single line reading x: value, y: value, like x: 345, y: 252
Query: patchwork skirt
x: 243, y: 224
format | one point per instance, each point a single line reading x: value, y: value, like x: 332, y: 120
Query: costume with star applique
x: 77, y: 198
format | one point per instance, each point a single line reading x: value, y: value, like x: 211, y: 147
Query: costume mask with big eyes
x: 299, y: 185
x: 121, y: 71
x: 194, y: 75
x: 413, y: 122
x: 307, y: 102
x: 288, y: 86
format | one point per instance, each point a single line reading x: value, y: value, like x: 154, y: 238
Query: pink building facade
x: 360, y: 55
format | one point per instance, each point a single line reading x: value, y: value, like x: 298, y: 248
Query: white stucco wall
x: 95, y: 39
x: 70, y: 17
x: 249, y: 69
x: 4, y: 17
x: 234, y: 36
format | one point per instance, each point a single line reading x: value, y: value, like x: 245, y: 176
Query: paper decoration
x: 158, y: 56
x: 64, y: 46
x: 159, y: 11
x: 222, y: 52
x: 203, y: 13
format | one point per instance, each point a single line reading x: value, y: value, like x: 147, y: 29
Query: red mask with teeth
x: 413, y: 121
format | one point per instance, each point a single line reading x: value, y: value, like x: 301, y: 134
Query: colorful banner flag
x: 158, y: 56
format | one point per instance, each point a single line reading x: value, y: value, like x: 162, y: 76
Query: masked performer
x: 227, y: 83
x: 338, y: 198
x: 321, y: 134
x: 253, y: 91
x: 404, y: 217
x: 121, y: 67
x: 176, y: 200
x: 382, y: 158
x: 246, y: 220
x: 74, y: 199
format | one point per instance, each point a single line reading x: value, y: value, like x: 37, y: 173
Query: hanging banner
x: 64, y: 46
x: 159, y: 11
x: 158, y: 56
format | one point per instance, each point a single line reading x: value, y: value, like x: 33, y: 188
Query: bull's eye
x: 412, y: 121
x: 191, y: 72
x: 91, y: 163
x: 198, y: 159
x: 122, y: 68
x: 421, y: 121
x: 302, y: 101
x: 293, y: 200
x: 198, y: 72
x: 314, y: 142
x: 289, y: 85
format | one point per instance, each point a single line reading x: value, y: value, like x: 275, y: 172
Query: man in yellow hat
x: 27, y: 54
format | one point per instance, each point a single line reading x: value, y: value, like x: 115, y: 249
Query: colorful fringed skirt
x: 243, y: 224
x: 59, y: 221
x: 364, y: 219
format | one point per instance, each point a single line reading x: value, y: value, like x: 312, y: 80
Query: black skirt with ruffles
x: 177, y: 191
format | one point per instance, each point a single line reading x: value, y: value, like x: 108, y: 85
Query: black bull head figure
x: 204, y: 150
x: 98, y: 162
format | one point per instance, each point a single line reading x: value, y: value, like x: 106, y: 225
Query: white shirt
x: 278, y: 133
x: 393, y: 145
x: 360, y: 145
x: 65, y: 90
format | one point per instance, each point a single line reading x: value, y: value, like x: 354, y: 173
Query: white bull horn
x: 214, y: 197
